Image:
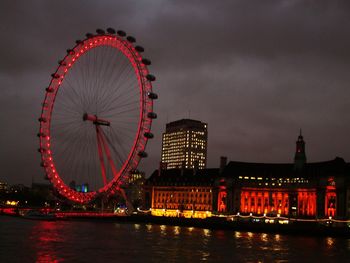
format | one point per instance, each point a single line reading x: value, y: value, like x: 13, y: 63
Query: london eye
x: 96, y: 116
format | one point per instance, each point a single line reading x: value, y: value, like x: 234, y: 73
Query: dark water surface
x: 24, y: 240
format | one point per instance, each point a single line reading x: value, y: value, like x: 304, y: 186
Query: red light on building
x: 222, y: 200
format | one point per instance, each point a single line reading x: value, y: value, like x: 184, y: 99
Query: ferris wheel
x: 96, y: 116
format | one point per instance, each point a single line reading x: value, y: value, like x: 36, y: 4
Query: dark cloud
x: 256, y: 71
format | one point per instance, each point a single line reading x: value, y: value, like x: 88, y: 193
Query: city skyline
x: 255, y: 72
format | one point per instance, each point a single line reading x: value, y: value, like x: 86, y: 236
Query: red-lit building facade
x: 319, y: 190
x: 299, y: 189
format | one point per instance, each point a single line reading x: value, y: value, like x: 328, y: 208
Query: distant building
x: 3, y: 187
x: 18, y: 188
x: 134, y: 188
x: 293, y: 190
x: 43, y: 190
x: 184, y: 144
x: 82, y: 188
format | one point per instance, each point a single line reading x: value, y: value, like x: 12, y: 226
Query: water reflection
x: 206, y: 232
x: 277, y: 237
x: 205, y: 256
x: 330, y: 241
x: 149, y: 228
x: 263, y: 237
x: 163, y: 230
x: 45, y: 235
x: 72, y: 241
x: 176, y: 230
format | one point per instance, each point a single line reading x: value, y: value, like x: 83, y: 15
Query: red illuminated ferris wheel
x: 96, y: 116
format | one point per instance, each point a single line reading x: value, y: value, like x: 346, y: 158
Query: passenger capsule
x: 111, y: 30
x: 40, y: 134
x: 89, y: 35
x: 49, y: 90
x: 62, y: 63
x: 41, y: 150
x: 70, y: 51
x: 55, y: 75
x: 148, y: 135
x: 79, y: 42
x: 142, y: 154
x: 121, y: 33
x: 150, y: 77
x: 146, y: 61
x: 131, y: 39
x: 100, y: 31
x: 139, y: 49
x: 41, y: 119
x: 152, y: 115
x: 152, y: 95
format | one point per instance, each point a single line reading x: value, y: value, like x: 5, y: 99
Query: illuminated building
x: 181, y: 192
x: 292, y: 190
x: 299, y: 189
x: 184, y: 144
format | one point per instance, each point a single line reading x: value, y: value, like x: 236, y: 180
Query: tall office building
x: 184, y: 144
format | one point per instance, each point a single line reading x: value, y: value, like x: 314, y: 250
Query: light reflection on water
x: 44, y: 237
x: 263, y: 237
x: 177, y: 230
x: 206, y: 232
x: 163, y: 230
x: 330, y: 241
x: 149, y: 227
x: 277, y: 237
x: 69, y: 241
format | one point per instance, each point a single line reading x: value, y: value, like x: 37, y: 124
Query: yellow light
x: 12, y: 203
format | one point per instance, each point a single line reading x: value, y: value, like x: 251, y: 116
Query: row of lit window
x: 173, y: 143
x: 172, y: 154
x: 183, y: 201
x: 197, y: 132
x: 187, y: 195
x: 178, y: 140
x: 173, y: 149
x: 279, y: 180
x: 169, y: 134
x: 189, y: 207
x: 165, y: 190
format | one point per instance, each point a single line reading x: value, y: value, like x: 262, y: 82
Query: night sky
x: 255, y: 71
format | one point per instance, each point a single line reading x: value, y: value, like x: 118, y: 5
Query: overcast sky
x: 255, y: 71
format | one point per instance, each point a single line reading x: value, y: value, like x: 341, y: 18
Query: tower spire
x: 300, y: 155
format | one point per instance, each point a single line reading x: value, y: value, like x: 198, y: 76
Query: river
x: 23, y: 240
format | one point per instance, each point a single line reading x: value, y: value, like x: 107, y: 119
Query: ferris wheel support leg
x: 100, y: 154
x: 107, y: 151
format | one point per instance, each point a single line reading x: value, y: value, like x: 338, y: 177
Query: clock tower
x: 300, y: 155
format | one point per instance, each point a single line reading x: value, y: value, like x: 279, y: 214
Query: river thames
x: 24, y: 240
